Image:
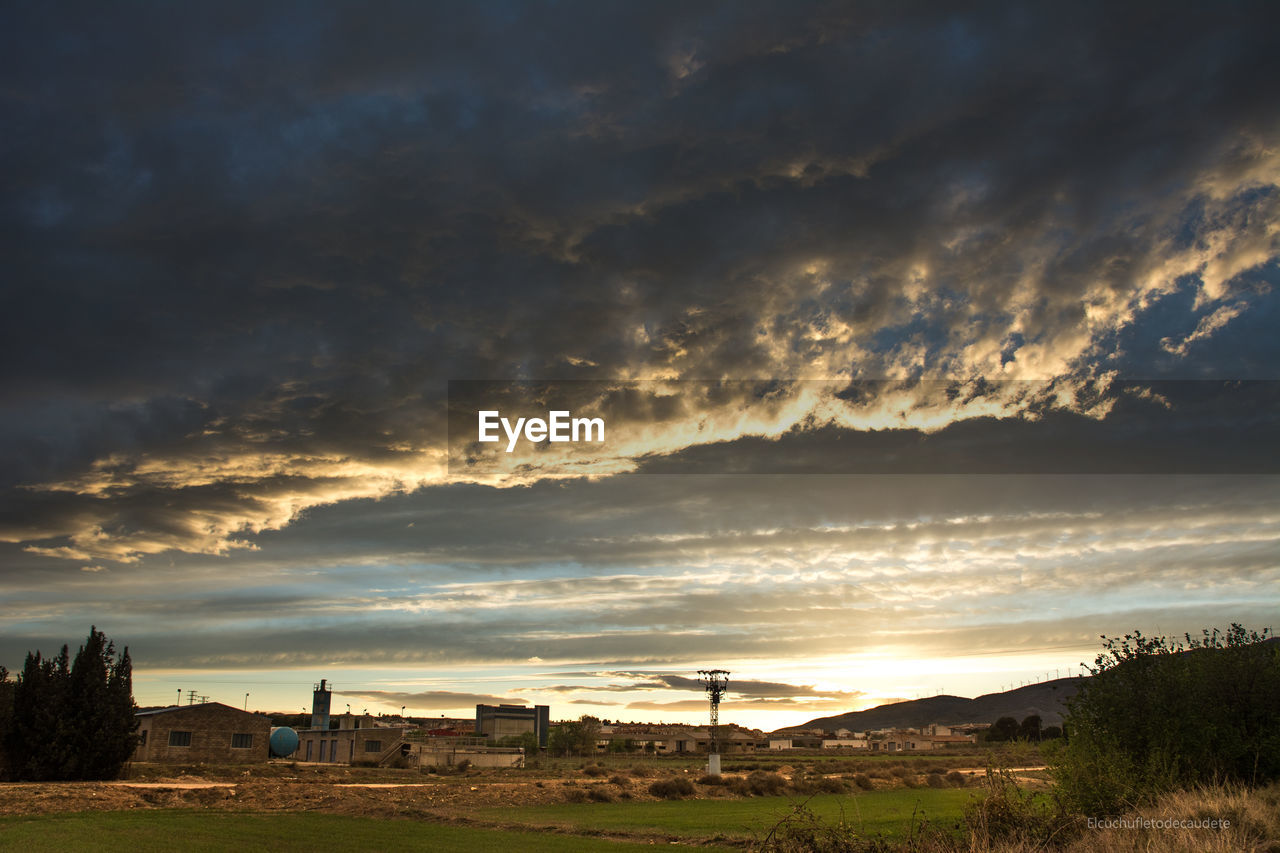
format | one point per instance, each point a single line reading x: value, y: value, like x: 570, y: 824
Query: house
x: 209, y: 733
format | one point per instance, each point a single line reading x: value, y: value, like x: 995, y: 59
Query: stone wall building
x: 208, y: 733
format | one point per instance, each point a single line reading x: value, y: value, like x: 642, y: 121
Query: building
x: 499, y: 721
x: 209, y: 733
x: 351, y: 744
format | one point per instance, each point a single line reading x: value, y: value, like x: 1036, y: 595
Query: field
x: 167, y: 830
x: 563, y: 805
x: 910, y: 803
x: 890, y: 813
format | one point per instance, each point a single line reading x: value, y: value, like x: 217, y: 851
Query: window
x: 373, y: 746
x: 242, y: 741
x: 142, y: 741
x: 177, y: 738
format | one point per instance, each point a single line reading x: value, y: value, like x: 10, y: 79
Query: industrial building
x: 499, y: 721
x: 210, y: 733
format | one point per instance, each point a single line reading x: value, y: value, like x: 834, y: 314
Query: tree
x: 73, y: 720
x: 575, y: 737
x: 1005, y: 728
x: 1029, y: 730
x: 1158, y: 715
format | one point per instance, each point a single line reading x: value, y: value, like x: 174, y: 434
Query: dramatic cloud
x: 238, y: 293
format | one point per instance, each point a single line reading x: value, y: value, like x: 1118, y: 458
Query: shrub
x: 1012, y: 815
x: 956, y: 778
x: 599, y: 794
x: 576, y: 795
x: 763, y: 783
x: 1157, y: 715
x: 594, y: 770
x: 829, y: 785
x: 711, y: 779
x: 674, y: 788
x: 935, y: 780
x: 863, y: 781
x: 620, y: 781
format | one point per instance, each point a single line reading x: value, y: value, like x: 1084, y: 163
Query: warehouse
x: 210, y: 733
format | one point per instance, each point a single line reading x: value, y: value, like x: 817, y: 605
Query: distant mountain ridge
x: 1048, y: 699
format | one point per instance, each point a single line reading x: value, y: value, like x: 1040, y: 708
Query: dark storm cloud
x: 426, y: 700
x: 247, y: 246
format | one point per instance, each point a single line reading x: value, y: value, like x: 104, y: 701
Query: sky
x: 930, y: 345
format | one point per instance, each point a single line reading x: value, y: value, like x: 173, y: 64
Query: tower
x: 320, y: 699
x: 716, y: 682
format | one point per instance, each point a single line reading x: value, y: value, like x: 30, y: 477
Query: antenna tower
x: 716, y: 682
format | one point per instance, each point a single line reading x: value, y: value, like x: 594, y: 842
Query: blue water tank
x: 284, y: 742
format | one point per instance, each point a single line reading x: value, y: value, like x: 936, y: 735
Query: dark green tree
x: 6, y: 720
x: 1159, y: 714
x: 575, y: 737
x: 1029, y: 730
x: 1005, y: 728
x: 73, y: 720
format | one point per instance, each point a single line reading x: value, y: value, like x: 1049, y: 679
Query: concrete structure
x: 209, y: 733
x: 844, y: 743
x: 499, y: 721
x: 372, y: 745
x: 449, y: 752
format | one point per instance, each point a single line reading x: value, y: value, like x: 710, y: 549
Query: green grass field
x: 887, y: 813
x: 157, y: 831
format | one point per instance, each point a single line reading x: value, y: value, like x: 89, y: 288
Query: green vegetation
x: 71, y: 720
x: 163, y: 831
x: 888, y: 813
x: 1158, y: 716
x: 576, y: 737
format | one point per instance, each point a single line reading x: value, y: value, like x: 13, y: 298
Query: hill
x: 1046, y: 699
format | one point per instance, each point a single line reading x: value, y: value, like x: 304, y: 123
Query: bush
x: 829, y: 785
x: 576, y: 795
x: 935, y: 780
x: 1011, y: 815
x: 594, y: 770
x: 1158, y: 715
x: 620, y: 781
x: 863, y: 781
x: 763, y: 783
x: 599, y: 794
x: 674, y: 788
x: 711, y: 779
x: 956, y: 778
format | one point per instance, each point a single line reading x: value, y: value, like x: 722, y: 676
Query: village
x: 499, y: 736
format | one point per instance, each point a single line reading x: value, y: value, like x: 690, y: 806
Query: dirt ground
x: 373, y: 792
